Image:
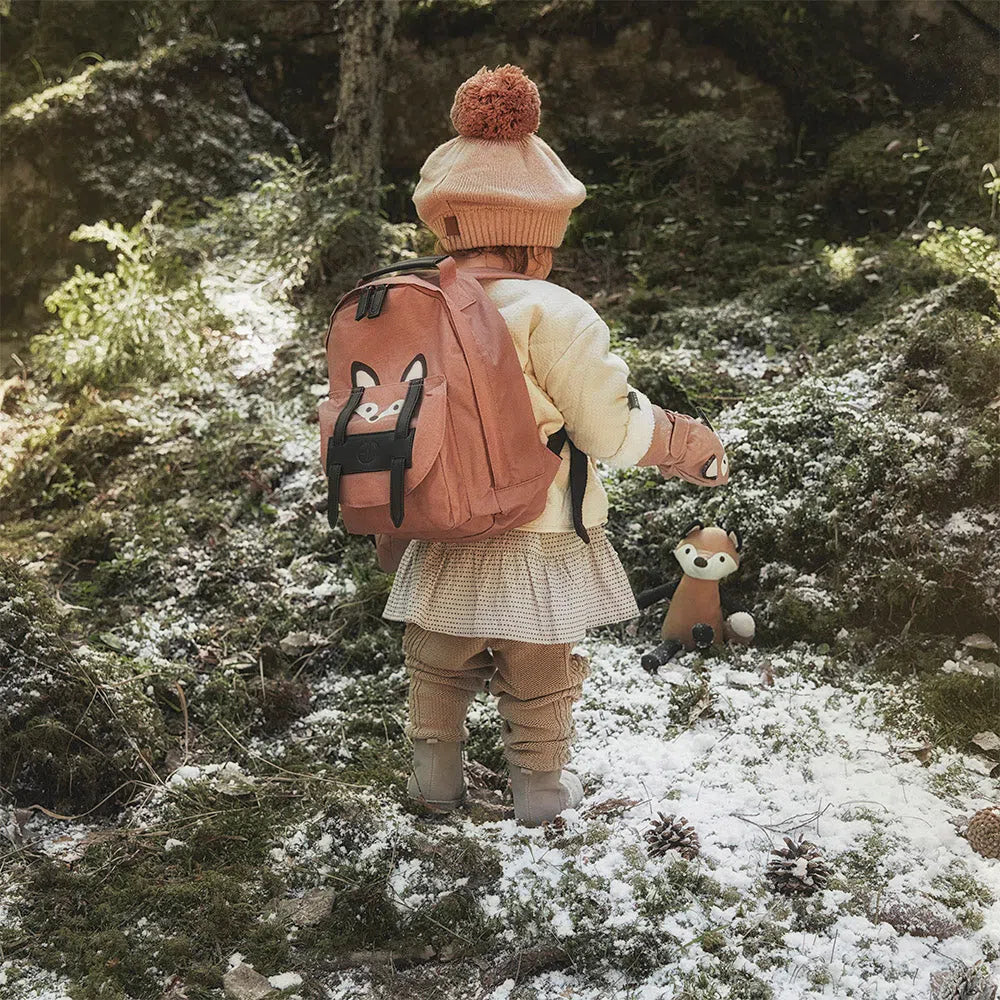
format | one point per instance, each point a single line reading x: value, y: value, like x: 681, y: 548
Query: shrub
x: 145, y: 321
x: 302, y: 222
x: 961, y: 252
x: 708, y: 152
x: 891, y: 175
x: 66, y: 462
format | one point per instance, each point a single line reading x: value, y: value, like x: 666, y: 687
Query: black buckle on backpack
x: 371, y: 299
x: 378, y: 451
x: 379, y: 293
x: 374, y: 452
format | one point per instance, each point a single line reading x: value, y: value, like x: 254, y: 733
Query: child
x: 506, y: 611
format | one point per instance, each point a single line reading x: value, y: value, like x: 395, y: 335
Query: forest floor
x: 234, y: 647
x: 749, y: 751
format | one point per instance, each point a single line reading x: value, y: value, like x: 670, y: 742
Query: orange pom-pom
x: 499, y: 103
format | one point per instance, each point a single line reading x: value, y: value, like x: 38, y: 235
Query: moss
x: 69, y: 460
x: 960, y: 705
x: 699, y: 384
x: 965, y: 348
x: 740, y: 985
x: 88, y: 540
x: 76, y: 732
x: 369, y: 914
x: 199, y: 902
x: 874, y: 472
x: 838, y: 280
x: 208, y: 897
x: 864, y: 867
x: 790, y: 617
x: 964, y: 895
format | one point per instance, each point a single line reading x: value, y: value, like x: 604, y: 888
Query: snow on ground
x: 17, y: 983
x: 794, y: 758
x: 798, y: 757
x: 754, y: 762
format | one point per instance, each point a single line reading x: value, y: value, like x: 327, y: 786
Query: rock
x: 987, y: 741
x: 308, y: 910
x: 11, y: 826
x: 246, y: 983
x: 450, y: 952
x: 175, y: 122
x: 295, y: 643
x: 979, y: 640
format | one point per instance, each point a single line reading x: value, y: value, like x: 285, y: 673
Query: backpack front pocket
x: 378, y: 444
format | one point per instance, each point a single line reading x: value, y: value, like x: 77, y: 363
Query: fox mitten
x: 685, y: 447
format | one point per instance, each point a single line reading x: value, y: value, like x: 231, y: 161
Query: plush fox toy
x: 695, y: 618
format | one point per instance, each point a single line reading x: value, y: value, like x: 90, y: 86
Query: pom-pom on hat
x: 496, y: 183
x: 496, y: 104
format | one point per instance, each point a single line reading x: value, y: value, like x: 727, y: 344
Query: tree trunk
x: 366, y: 30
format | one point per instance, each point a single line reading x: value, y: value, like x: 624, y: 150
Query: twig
x: 412, y: 956
x: 184, y: 712
x: 54, y: 815
x: 786, y: 825
x: 294, y: 774
x: 129, y: 680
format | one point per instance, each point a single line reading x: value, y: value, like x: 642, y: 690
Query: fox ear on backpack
x: 363, y: 376
x: 417, y: 368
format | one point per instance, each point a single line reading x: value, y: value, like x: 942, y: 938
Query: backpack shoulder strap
x: 577, y: 477
x: 558, y: 440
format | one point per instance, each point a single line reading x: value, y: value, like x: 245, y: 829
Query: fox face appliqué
x: 364, y: 376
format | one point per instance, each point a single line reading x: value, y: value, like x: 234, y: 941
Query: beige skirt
x: 528, y: 585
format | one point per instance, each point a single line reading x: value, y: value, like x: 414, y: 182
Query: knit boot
x: 437, y: 780
x: 539, y: 796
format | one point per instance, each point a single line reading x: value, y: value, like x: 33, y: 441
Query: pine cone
x: 983, y: 833
x: 672, y: 833
x: 798, y: 869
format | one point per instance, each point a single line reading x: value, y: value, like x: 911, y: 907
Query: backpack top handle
x: 414, y: 264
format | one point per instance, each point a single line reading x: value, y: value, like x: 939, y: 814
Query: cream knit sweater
x: 573, y: 378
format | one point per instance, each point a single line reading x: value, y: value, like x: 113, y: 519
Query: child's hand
x: 685, y: 447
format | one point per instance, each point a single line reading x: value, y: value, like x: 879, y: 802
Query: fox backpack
x: 428, y: 430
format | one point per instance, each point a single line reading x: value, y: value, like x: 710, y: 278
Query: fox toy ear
x: 693, y: 526
x: 735, y: 537
x: 417, y: 368
x: 362, y: 375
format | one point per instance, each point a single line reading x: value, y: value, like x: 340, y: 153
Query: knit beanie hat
x: 496, y: 183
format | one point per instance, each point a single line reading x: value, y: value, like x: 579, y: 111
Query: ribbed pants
x: 535, y: 685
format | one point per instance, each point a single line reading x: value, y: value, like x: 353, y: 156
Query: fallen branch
x: 383, y: 957
x: 526, y: 963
